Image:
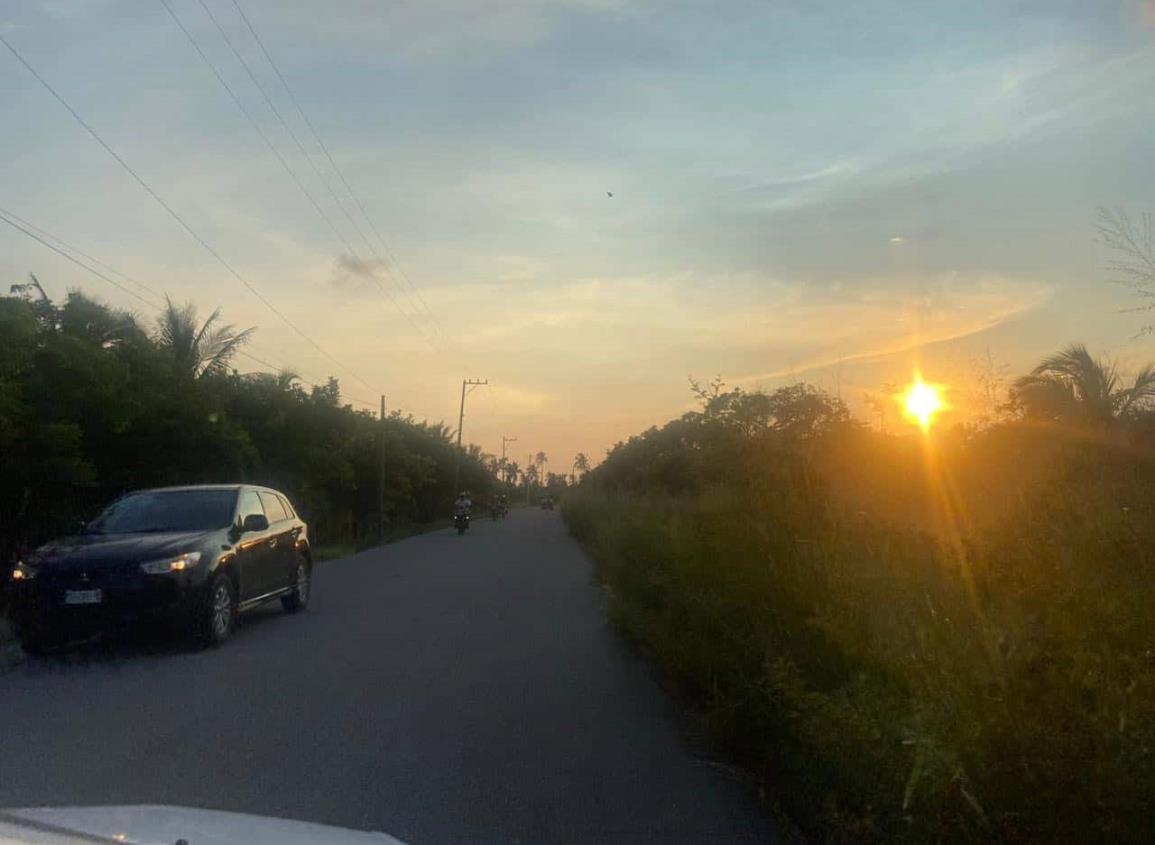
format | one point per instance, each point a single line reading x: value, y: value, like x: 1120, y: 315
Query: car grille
x: 97, y: 577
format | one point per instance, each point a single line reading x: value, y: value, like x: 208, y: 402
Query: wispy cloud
x: 778, y: 327
x: 991, y: 304
x: 435, y: 28
x: 944, y: 121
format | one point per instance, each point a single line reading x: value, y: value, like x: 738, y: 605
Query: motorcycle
x: 461, y: 522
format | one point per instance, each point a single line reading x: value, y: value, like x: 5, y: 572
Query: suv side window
x: 273, y: 507
x: 247, y: 504
x: 288, y: 507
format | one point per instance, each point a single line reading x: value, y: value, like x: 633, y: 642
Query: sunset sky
x: 818, y: 191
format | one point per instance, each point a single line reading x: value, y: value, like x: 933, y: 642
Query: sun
x: 922, y: 401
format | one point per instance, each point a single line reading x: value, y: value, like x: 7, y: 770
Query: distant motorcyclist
x: 461, y: 508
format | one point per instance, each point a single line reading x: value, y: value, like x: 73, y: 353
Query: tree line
x: 95, y: 401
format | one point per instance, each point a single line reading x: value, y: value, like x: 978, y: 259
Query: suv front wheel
x: 37, y: 640
x: 218, y: 612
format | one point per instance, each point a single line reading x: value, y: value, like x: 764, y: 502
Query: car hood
x: 98, y: 549
x: 160, y: 825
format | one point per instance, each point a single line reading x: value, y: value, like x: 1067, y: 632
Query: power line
x: 39, y: 235
x: 256, y: 125
x: 4, y: 217
x: 244, y: 110
x: 44, y: 233
x: 82, y: 254
x: 304, y: 380
x: 340, y: 175
x: 7, y: 217
x: 281, y: 119
x: 308, y: 156
x: 172, y: 213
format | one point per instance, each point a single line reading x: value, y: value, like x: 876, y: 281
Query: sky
x: 589, y: 202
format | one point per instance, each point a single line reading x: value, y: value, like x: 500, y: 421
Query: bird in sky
x: 609, y: 193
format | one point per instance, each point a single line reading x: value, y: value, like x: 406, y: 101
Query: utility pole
x: 504, y: 441
x: 381, y: 477
x: 528, y: 463
x: 465, y: 385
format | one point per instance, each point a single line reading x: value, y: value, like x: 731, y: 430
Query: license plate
x: 83, y: 596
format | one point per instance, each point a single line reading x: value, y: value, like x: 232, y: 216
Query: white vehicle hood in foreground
x: 157, y: 825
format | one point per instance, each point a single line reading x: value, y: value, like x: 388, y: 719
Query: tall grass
x: 907, y: 644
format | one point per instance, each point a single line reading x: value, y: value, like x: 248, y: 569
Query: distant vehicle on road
x: 461, y: 521
x: 194, y: 556
x: 547, y: 503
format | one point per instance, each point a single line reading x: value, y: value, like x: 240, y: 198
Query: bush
x: 907, y: 644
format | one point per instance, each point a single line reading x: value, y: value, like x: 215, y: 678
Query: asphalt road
x: 443, y: 689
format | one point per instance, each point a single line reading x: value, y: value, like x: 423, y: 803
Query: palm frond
x: 220, y: 347
x: 1141, y: 391
x: 1094, y: 381
x: 286, y: 377
x: 1046, y: 397
x: 205, y: 330
x: 207, y: 348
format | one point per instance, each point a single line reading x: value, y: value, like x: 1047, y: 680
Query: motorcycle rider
x: 463, y: 505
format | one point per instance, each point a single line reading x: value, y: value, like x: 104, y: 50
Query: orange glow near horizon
x: 922, y: 401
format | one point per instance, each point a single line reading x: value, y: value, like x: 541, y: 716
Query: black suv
x: 193, y: 555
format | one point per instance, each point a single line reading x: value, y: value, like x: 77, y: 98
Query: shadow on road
x: 141, y: 640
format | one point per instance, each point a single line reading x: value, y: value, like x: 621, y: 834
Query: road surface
x: 443, y: 689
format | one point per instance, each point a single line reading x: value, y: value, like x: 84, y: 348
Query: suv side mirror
x: 255, y: 522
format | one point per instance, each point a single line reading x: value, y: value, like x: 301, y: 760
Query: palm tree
x: 581, y: 464
x: 1072, y: 386
x: 282, y: 381
x: 206, y: 350
x: 287, y: 378
x: 32, y: 290
x: 541, y: 460
x: 512, y: 471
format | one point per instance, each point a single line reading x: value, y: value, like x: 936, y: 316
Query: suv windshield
x: 178, y: 510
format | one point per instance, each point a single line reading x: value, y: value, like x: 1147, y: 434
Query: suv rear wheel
x: 298, y: 599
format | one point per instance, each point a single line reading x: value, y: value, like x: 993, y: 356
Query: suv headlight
x: 23, y: 572
x: 171, y: 564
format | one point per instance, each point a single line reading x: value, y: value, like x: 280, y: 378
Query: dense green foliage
x: 92, y: 404
x: 909, y: 639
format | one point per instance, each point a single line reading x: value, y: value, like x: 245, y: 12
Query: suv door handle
x: 273, y: 543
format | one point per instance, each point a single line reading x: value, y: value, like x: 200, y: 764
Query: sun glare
x: 922, y: 401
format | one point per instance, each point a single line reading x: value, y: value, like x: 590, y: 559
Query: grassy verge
x: 394, y: 534
x: 889, y: 684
